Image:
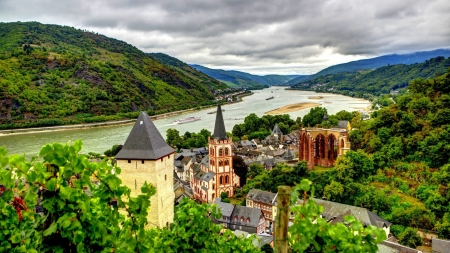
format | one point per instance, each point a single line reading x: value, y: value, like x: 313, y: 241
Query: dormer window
x: 242, y: 218
x: 247, y: 220
x: 235, y: 217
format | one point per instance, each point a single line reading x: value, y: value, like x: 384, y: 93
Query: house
x: 344, y: 124
x: 147, y: 158
x: 182, y: 166
x: 263, y: 200
x: 227, y: 210
x: 440, y: 246
x: 181, y: 189
x: 247, y: 219
x: 335, y: 212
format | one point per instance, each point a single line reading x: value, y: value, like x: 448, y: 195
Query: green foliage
x: 410, y: 238
x: 113, y: 150
x: 82, y: 77
x: 281, y: 174
x: 365, y: 83
x: 188, y: 140
x: 354, y: 166
x: 255, y: 127
x: 314, y: 117
x: 396, y: 230
x: 193, y: 231
x: 312, y: 233
x: 266, y: 248
x: 72, y: 219
x: 241, y: 169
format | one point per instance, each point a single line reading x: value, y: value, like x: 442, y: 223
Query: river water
x: 99, y: 139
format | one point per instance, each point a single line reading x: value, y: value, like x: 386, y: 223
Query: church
x: 215, y: 174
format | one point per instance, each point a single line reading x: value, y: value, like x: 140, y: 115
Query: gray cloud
x: 265, y: 36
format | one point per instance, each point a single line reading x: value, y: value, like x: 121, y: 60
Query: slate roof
x: 261, y: 196
x: 288, y: 155
x: 219, y: 127
x: 337, y: 211
x: 208, y: 176
x: 440, y: 246
x: 255, y: 214
x: 276, y: 130
x: 343, y: 124
x: 144, y: 142
x: 226, y: 208
x: 392, y: 247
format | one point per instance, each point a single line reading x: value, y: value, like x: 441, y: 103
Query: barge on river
x: 186, y: 120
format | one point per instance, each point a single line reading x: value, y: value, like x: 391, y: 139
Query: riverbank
x: 292, y: 108
x: 16, y: 131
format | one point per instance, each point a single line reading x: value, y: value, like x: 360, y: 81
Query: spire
x: 325, y: 116
x: 144, y: 142
x: 219, y: 127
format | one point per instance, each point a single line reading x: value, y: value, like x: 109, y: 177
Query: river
x: 99, y: 139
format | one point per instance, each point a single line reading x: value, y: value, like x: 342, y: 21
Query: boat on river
x: 186, y: 120
x: 269, y: 98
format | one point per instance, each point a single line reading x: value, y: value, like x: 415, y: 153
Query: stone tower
x: 221, y: 158
x: 146, y: 157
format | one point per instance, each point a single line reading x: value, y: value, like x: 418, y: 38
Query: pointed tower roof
x: 276, y: 130
x: 219, y: 127
x: 144, y: 142
x: 325, y: 116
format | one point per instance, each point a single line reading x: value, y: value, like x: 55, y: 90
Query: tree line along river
x: 99, y: 139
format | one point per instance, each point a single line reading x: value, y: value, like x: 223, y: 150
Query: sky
x: 258, y: 37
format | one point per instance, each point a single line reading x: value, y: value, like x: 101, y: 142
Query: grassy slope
x: 67, y: 75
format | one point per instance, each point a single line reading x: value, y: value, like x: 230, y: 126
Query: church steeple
x: 219, y: 127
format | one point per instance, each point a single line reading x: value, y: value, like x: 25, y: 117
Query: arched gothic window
x: 220, y: 152
x: 227, y: 151
x: 221, y: 180
x: 220, y: 163
x: 227, y: 162
x: 227, y: 178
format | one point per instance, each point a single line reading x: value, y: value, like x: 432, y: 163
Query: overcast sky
x: 260, y: 36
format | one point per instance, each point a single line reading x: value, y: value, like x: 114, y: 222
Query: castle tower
x: 146, y: 157
x: 221, y: 158
x: 276, y: 132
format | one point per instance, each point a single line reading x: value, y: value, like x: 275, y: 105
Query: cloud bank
x: 260, y: 37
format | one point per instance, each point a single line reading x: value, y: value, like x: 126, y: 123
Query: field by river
x: 99, y: 139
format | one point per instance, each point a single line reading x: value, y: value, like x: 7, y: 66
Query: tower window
x: 129, y: 161
x: 142, y: 161
x: 220, y: 152
x: 165, y: 177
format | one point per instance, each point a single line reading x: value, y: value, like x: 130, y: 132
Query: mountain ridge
x: 376, y: 62
x: 54, y: 75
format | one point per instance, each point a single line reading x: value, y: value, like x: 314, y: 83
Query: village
x: 206, y: 175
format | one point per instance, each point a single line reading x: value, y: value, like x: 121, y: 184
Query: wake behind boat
x: 186, y: 120
x: 269, y: 98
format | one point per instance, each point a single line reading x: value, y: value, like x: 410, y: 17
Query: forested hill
x: 52, y: 74
x: 377, y: 81
x: 377, y: 62
x: 174, y: 63
x: 241, y: 79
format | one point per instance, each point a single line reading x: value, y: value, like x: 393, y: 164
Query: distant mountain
x: 238, y: 78
x: 377, y: 81
x: 377, y: 62
x: 52, y: 75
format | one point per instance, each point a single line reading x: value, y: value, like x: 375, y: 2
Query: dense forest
x: 51, y: 75
x: 376, y: 62
x: 399, y: 165
x: 366, y: 83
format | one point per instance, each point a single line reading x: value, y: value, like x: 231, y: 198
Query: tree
x: 318, y: 235
x: 410, y: 238
x: 254, y: 170
x: 354, y: 166
x: 241, y: 169
x: 266, y: 248
x: 113, y: 150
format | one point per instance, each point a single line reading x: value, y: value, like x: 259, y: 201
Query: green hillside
x: 51, y: 75
x: 377, y: 81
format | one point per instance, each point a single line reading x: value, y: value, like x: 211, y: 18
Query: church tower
x: 146, y: 157
x: 221, y: 158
